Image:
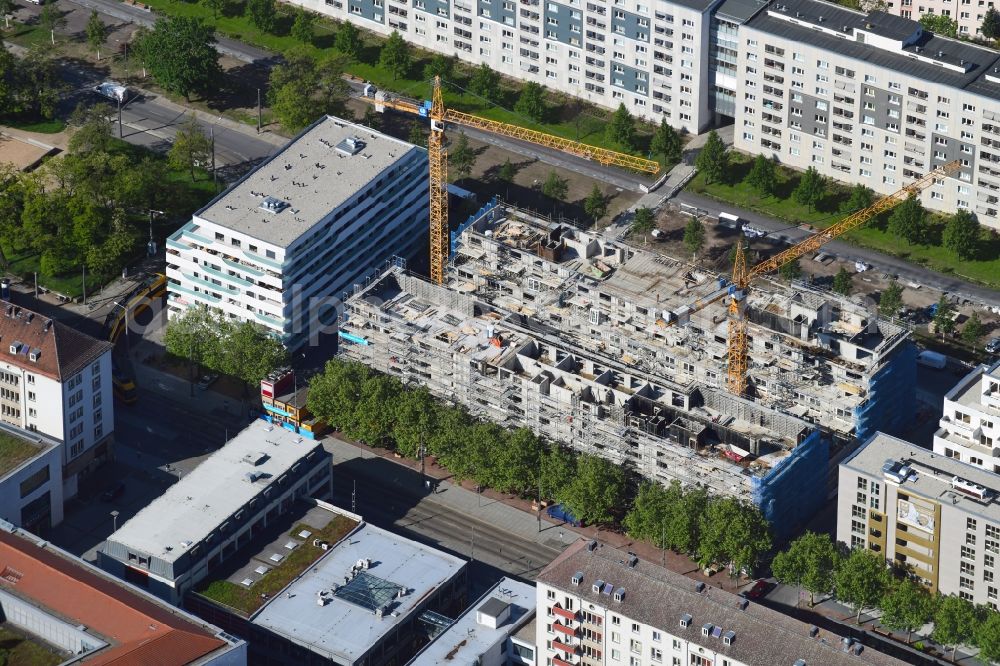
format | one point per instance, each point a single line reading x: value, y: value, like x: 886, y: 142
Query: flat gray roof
x: 739, y: 11
x: 308, y: 178
x: 978, y: 61
x: 968, y: 391
x: 931, y: 475
x: 343, y: 629
x: 213, y: 491
x: 660, y: 598
x: 466, y: 639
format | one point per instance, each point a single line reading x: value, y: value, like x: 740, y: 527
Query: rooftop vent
x: 31, y: 315
x: 15, y: 347
x: 273, y: 205
x: 706, y: 629
x: 699, y: 587
x: 48, y: 324
x: 685, y: 621
x: 34, y: 355
x: 819, y: 19
x: 744, y: 604
x: 895, y: 470
x: 813, y: 631
x: 940, y: 54
x: 591, y: 546
x: 577, y: 578
x: 352, y: 145
x: 256, y: 459
x: 858, y: 649
x: 868, y: 26
x: 799, y: 662
x: 633, y: 560
x: 969, y: 488
x: 727, y: 638
x: 253, y: 477
x: 619, y: 594
x: 596, y: 588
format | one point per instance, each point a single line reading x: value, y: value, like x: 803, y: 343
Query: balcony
x: 569, y: 649
x: 563, y: 629
x: 565, y: 614
x: 562, y: 662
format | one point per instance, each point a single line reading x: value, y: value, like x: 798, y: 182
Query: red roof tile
x: 63, y: 351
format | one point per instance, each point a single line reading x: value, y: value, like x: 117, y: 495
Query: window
x: 31, y: 396
x: 616, y: 637
x: 635, y: 627
x: 968, y: 553
x: 551, y: 594
x: 970, y: 524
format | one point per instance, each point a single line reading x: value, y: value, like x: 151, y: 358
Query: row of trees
x: 710, y: 529
x: 377, y: 409
x: 861, y: 579
x: 244, y: 350
x: 30, y: 86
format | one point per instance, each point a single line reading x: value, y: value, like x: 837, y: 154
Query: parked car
x: 114, y: 91
x: 757, y: 590
x: 113, y: 493
x: 206, y: 381
x: 993, y: 346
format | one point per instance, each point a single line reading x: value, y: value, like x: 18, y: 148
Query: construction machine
x: 435, y: 110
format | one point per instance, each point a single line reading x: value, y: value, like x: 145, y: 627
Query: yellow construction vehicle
x: 738, y: 287
x: 438, y: 158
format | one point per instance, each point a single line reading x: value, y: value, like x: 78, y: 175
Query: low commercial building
x: 970, y: 425
x: 489, y: 633
x: 283, y: 244
x: 85, y: 616
x: 936, y: 516
x: 599, y: 605
x: 31, y: 488
x: 285, y: 403
x: 201, y: 521
x: 57, y: 381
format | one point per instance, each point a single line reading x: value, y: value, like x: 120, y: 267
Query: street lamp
x: 151, y: 245
x: 114, y: 519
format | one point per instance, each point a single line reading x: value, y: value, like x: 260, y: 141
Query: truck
x: 729, y: 220
x: 932, y: 359
x: 561, y: 513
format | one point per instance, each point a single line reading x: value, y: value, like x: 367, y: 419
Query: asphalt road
x: 904, y: 270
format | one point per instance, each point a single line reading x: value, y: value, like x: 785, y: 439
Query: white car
x: 114, y: 91
x: 861, y: 266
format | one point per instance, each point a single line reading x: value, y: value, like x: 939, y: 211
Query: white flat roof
x: 342, y: 629
x: 213, y: 491
x: 466, y: 639
x: 310, y: 175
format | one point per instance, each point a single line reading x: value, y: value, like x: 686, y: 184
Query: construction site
x: 607, y: 348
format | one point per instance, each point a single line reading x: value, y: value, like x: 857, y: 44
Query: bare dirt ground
x: 20, y: 153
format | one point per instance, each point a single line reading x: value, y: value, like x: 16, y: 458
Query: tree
x: 372, y: 422
x: 192, y: 336
x: 439, y: 65
x: 395, y: 56
x: 713, y: 159
x: 843, y: 282
x: 96, y: 32
x: 516, y: 463
x: 416, y: 135
x: 555, y: 187
x: 348, y: 40
x: 762, y: 176
x: 595, y: 205
x: 300, y: 90
x: 263, y: 14
x: 961, y: 234
x: 414, y: 421
x: 987, y: 638
x: 7, y: 8
x: 531, y: 102
x: 249, y: 353
x: 732, y: 532
x: 790, y: 270
x: 595, y: 491
x: 621, y: 128
x: 461, y: 157
x: 217, y: 7
x: 944, y: 317
x: 991, y: 24
x: 643, y: 221
x: 955, y: 623
x: 180, y: 54
x: 51, y: 18
x: 485, y: 82
x: 810, y: 189
x: 684, y: 520
x: 891, y: 299
x: 907, y: 220
x: 506, y: 172
x: 646, y: 520
x: 973, y: 329
x: 667, y: 142
x: 861, y: 197
x: 861, y: 580
x: 304, y: 26
x: 810, y: 561
x: 94, y: 129
x: 906, y: 606
x: 556, y: 470
x: 191, y: 147
x: 694, y: 236
x: 940, y: 25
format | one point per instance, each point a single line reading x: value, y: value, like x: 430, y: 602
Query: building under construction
x: 593, y: 343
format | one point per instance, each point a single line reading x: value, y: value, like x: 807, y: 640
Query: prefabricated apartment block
x: 970, y: 426
x: 562, y: 331
x: 282, y: 244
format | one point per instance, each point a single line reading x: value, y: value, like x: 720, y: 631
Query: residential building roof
x: 58, y: 351
x: 135, y: 628
x: 340, y: 612
x: 18, y: 447
x: 312, y: 176
x: 467, y: 639
x: 950, y: 482
x: 660, y: 598
x: 221, y: 485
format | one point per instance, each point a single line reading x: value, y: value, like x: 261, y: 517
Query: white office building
x: 970, y: 425
x: 285, y: 242
x: 31, y: 489
x: 57, y: 381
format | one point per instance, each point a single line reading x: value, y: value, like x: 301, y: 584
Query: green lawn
x: 985, y: 270
x: 13, y: 452
x: 28, y: 35
x: 247, y: 599
x: 53, y: 126
x: 576, y: 121
x: 18, y: 650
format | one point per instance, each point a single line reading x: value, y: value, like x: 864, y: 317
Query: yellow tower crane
x: 738, y: 288
x: 438, y: 158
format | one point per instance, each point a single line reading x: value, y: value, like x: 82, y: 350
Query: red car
x: 757, y: 590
